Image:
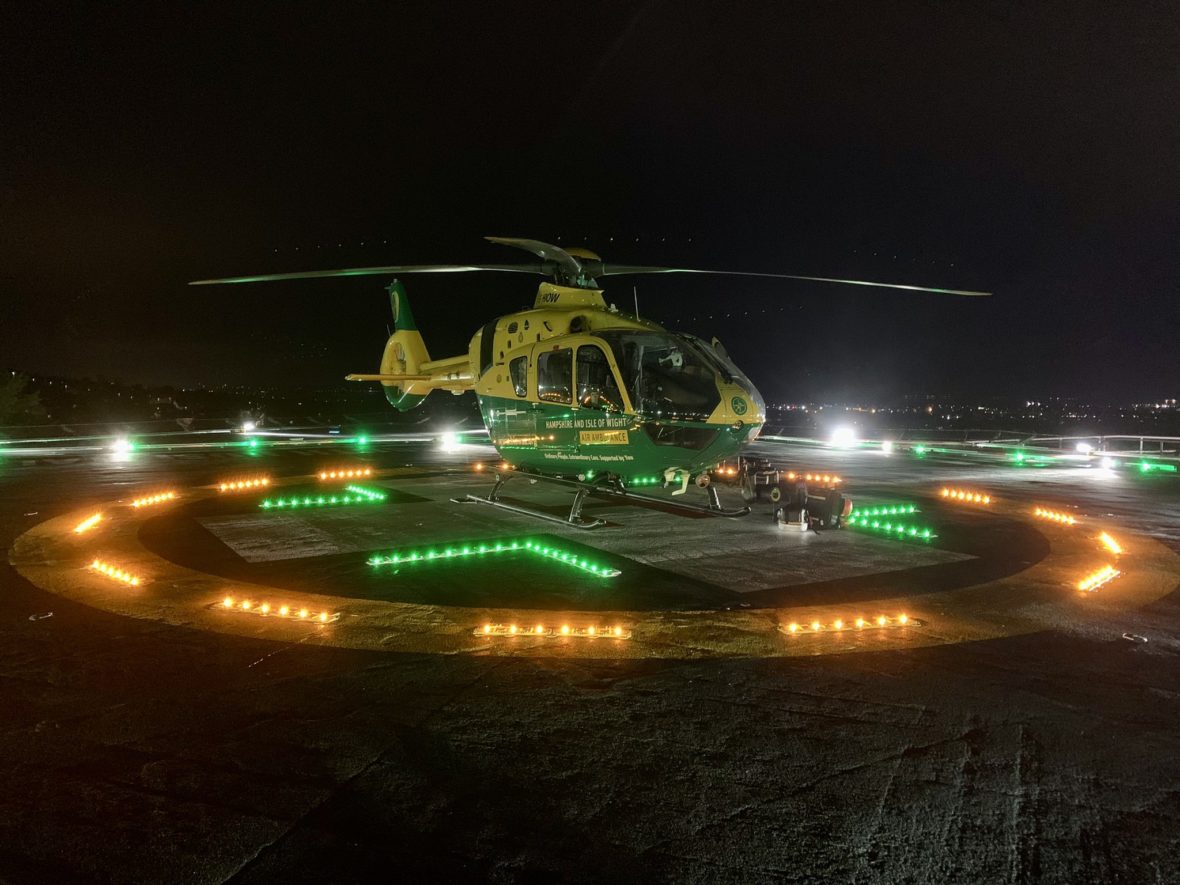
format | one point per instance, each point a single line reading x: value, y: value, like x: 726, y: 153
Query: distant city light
x: 449, y: 441
x: 1084, y: 448
x: 249, y: 427
x: 887, y: 447
x: 1107, y: 463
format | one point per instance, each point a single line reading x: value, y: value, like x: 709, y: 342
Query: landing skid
x: 612, y: 489
x: 575, y: 516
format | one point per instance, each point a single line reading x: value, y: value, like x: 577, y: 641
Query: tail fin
x: 405, y: 353
x: 408, y: 373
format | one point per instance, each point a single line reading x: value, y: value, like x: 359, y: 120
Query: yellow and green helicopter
x: 577, y: 391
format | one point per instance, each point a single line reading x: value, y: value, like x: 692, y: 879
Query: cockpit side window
x: 597, y: 387
x: 666, y: 375
x: 555, y: 375
x: 518, y: 371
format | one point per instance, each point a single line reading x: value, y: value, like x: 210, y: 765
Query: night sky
x: 1028, y: 149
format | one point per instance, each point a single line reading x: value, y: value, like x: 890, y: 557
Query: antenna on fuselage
x: 635, y: 292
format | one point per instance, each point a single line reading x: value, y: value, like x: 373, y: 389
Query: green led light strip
x: 893, y: 530
x: 885, y: 510
x: 371, y: 494
x: 415, y: 556
x: 367, y: 497
x: 1148, y: 466
x: 644, y: 481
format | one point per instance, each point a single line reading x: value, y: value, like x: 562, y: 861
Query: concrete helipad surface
x: 154, y: 733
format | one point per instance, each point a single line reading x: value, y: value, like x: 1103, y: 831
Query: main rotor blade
x: 613, y: 269
x: 544, y: 251
x: 376, y: 271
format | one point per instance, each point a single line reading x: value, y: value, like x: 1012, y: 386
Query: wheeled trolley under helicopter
x: 796, y: 497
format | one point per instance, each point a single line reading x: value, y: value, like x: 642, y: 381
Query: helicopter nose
x: 758, y: 413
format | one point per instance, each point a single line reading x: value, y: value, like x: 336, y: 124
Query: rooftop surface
x: 1006, y: 731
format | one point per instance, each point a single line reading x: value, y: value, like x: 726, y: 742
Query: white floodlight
x: 843, y: 437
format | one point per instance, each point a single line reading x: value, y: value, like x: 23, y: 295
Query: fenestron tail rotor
x: 568, y: 267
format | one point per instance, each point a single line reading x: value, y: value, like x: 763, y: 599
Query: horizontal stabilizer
x: 391, y: 378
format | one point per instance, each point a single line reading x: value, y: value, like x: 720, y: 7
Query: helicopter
x: 576, y: 391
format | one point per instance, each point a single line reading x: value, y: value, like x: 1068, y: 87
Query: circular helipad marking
x: 56, y: 558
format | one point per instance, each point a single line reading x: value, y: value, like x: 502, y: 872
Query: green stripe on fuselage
x: 561, y: 439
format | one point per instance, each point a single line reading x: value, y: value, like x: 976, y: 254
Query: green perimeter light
x: 371, y: 494
x: 920, y: 450
x: 898, y: 530
x: 1149, y: 466
x: 886, y: 510
x: 358, y: 496
x: 410, y: 557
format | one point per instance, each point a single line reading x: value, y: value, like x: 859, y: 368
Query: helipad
x: 396, y: 566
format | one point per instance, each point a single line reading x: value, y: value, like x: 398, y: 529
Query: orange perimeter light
x: 346, y: 473
x: 590, y: 631
x: 1094, y: 580
x: 115, y: 573
x: 87, y: 524
x: 153, y: 499
x: 244, y: 485
x: 966, y: 496
x: 266, y: 609
x: 1054, y: 516
x: 838, y: 625
x: 1110, y: 544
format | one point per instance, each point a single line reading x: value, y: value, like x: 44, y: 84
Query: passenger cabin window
x: 597, y: 387
x: 518, y: 371
x: 555, y: 375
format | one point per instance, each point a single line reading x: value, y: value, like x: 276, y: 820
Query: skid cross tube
x: 616, y: 489
x: 574, y: 519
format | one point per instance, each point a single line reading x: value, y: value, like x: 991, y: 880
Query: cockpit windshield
x: 666, y: 375
x: 725, y: 365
